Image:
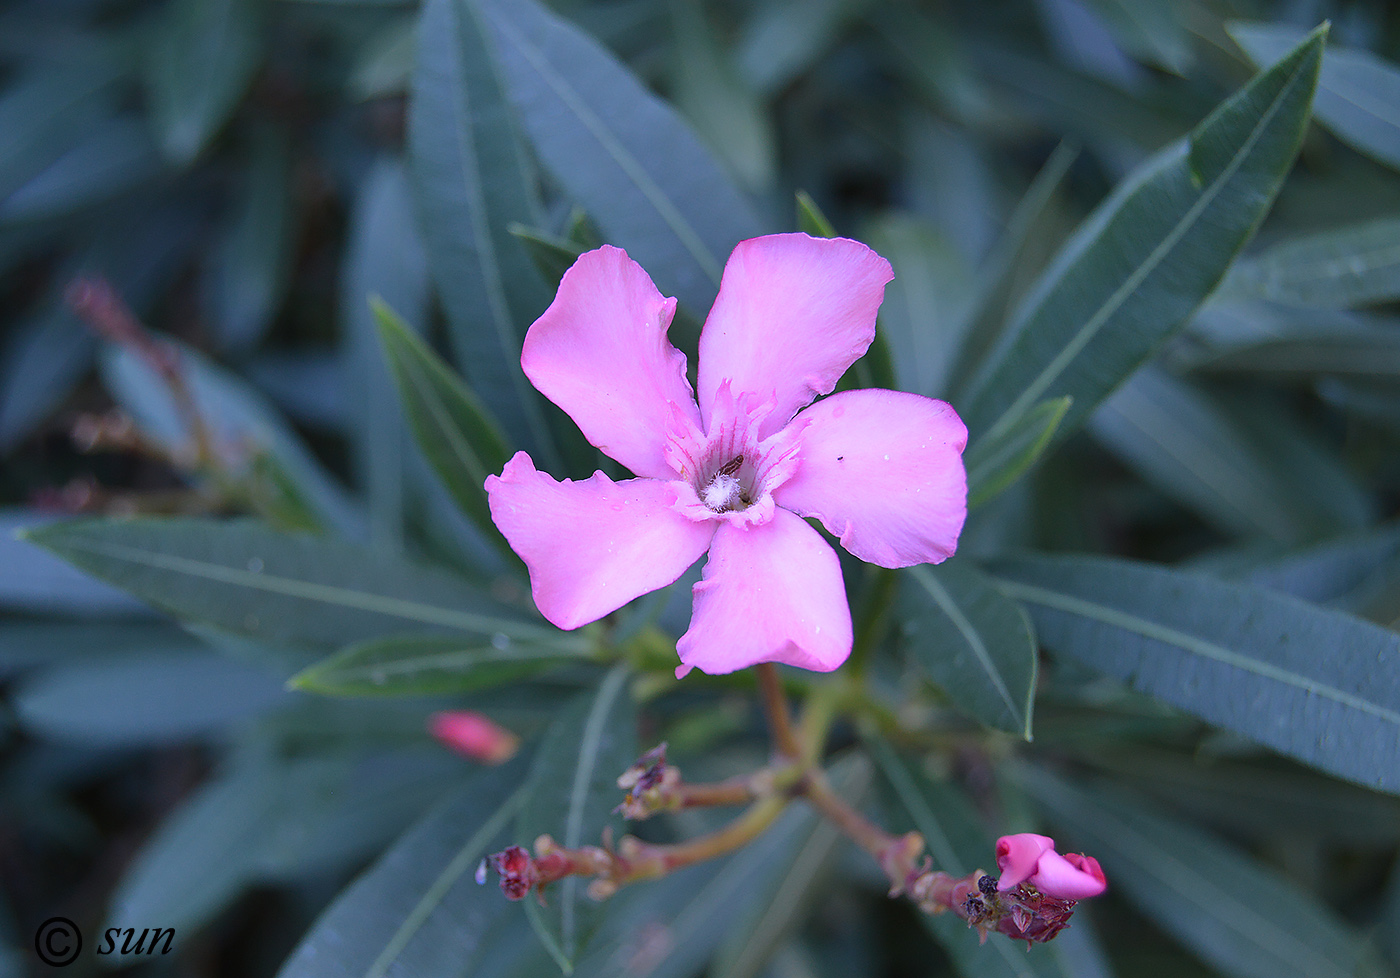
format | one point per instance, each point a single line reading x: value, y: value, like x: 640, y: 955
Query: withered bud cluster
x: 1022, y: 913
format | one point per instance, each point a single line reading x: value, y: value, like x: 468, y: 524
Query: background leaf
x: 572, y: 791
x: 1149, y: 254
x: 1241, y: 658
x: 620, y: 152
x: 431, y: 664
x: 473, y: 181
x: 972, y: 640
x: 279, y: 588
x: 1357, y: 91
x: 203, y: 56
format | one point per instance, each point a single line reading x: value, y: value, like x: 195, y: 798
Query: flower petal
x: 600, y: 352
x: 592, y: 546
x: 793, y: 312
x: 883, y: 471
x: 770, y: 593
x: 1018, y: 856
x: 1056, y: 876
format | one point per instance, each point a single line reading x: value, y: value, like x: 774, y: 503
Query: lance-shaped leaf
x: 1149, y: 255
x: 384, y: 260
x: 1181, y: 441
x: 572, y: 792
x: 1244, y: 919
x: 283, y: 589
x: 421, y: 665
x: 1348, y: 266
x: 996, y: 462
x: 620, y: 152
x: 973, y: 641
x: 1312, y: 683
x: 958, y: 843
x: 203, y: 57
x: 1357, y: 92
x: 418, y: 911
x: 457, y: 434
x: 253, y: 263
x: 473, y: 181
x: 268, y: 819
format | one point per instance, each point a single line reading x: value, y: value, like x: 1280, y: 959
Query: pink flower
x: 734, y: 474
x: 473, y: 735
x: 1030, y: 858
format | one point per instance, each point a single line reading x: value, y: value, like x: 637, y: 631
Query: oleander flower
x: 734, y: 471
x: 1030, y: 858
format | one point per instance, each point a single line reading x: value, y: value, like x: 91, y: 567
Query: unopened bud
x: 473, y: 735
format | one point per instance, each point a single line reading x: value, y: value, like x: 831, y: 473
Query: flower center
x: 726, y: 491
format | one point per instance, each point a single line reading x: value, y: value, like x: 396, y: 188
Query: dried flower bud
x: 517, y: 871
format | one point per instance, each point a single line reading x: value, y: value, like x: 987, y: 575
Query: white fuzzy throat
x: 723, y: 493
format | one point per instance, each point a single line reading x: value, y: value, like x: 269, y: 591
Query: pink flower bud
x: 473, y: 735
x: 1030, y: 858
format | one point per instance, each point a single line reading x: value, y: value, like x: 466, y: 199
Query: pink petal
x: 1057, y: 877
x: 1018, y: 856
x: 883, y: 471
x: 592, y: 546
x: 600, y: 352
x: 771, y: 593
x: 793, y: 312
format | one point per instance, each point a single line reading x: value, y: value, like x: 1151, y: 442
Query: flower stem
x: 775, y: 708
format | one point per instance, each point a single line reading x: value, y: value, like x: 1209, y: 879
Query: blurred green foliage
x: 1149, y: 250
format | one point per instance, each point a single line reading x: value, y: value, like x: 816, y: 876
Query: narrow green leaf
x: 1244, y: 919
x: 456, y: 433
x: 973, y: 641
x: 1355, y: 265
x: 148, y: 699
x: 924, y: 312
x: 385, y: 264
x: 419, y: 665
x: 959, y: 844
x: 1178, y: 439
x: 473, y: 181
x: 572, y: 793
x: 1152, y: 31
x: 552, y: 256
x: 26, y: 644
x: 1245, y: 659
x: 417, y: 911
x: 789, y: 881
x: 994, y: 463
x: 620, y: 152
x: 811, y: 219
x: 268, y: 820
x: 1149, y: 255
x: 1015, y: 259
x: 1357, y: 92
x: 113, y: 156
x: 726, y: 112
x: 37, y: 582
x: 784, y: 38
x: 279, y: 588
x: 203, y: 56
x: 254, y: 258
